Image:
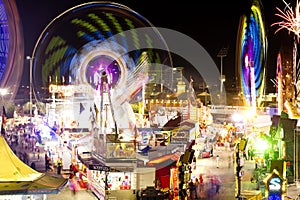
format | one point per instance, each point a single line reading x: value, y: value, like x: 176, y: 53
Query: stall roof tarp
x: 163, y: 161
x: 12, y: 168
x: 45, y: 184
x: 18, y: 178
x: 172, y: 124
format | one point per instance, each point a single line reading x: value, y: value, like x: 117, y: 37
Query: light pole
x: 30, y: 85
x: 296, y: 156
x: 222, y: 53
x: 3, y: 91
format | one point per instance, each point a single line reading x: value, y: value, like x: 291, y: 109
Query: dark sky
x: 213, y: 24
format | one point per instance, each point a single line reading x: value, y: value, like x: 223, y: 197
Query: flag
x: 96, y: 111
x: 191, y: 94
x: 3, y: 121
x: 81, y: 109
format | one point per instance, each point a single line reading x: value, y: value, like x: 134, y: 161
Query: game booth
x: 163, y: 167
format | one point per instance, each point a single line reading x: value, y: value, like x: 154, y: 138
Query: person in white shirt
x: 217, y: 160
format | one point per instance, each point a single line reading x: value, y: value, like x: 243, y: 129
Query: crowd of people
x: 22, y: 139
x: 76, y: 178
x: 27, y: 146
x: 197, y: 189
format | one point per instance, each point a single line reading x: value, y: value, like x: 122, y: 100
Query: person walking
x: 32, y: 165
x: 47, y: 163
x: 217, y: 184
x: 245, y: 154
x: 197, y: 186
x: 73, y: 185
x: 217, y: 161
x: 38, y: 153
x: 192, y: 190
x: 201, y: 182
x: 59, y: 166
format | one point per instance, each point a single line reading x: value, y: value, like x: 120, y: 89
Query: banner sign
x: 99, y: 167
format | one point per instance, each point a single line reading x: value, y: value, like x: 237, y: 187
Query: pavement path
x: 225, y: 171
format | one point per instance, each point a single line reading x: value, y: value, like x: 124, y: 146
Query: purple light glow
x: 99, y: 66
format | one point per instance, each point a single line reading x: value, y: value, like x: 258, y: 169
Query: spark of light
x: 291, y: 19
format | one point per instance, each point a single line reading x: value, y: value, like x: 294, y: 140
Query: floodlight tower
x: 30, y: 58
x: 222, y: 53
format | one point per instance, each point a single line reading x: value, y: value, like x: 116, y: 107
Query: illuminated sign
x: 181, y: 134
x: 69, y: 89
x: 99, y: 168
x: 275, y: 184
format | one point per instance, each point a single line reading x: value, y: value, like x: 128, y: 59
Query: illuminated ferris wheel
x: 11, y: 47
x: 91, y: 39
x: 251, y: 55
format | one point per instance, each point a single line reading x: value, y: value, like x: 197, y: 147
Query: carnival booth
x: 163, y: 166
x: 106, y: 183
x: 115, y: 182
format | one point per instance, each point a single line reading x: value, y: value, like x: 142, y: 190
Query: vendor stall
x: 163, y: 166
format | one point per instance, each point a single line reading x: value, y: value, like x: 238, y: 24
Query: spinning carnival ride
x: 251, y: 55
x: 78, y: 45
x: 94, y: 39
x: 11, y: 48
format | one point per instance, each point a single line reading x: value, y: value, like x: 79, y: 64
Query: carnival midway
x: 110, y: 117
x: 84, y: 137
x: 161, y: 154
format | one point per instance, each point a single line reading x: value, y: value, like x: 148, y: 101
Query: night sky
x: 213, y: 24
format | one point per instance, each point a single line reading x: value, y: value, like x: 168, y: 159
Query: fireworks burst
x: 291, y: 19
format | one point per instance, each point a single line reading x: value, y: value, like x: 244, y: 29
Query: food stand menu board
x: 180, y: 137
